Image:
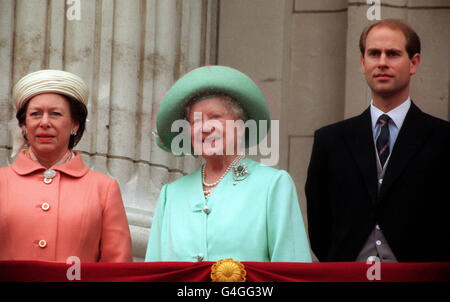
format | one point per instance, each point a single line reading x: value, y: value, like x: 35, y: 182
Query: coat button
x: 200, y: 257
x: 48, y: 180
x: 372, y: 258
x: 378, y: 242
x: 206, y: 210
x: 42, y: 243
x: 45, y: 206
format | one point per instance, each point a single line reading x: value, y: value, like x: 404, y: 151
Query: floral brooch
x: 240, y: 172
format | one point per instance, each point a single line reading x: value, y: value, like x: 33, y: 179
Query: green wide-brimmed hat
x: 204, y: 81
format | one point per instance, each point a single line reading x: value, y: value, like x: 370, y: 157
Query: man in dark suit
x: 378, y: 183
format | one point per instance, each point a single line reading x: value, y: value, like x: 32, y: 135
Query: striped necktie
x: 383, y: 138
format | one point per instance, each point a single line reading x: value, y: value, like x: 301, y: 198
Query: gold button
x: 42, y: 243
x: 45, y: 206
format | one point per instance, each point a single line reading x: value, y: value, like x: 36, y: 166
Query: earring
x: 73, y: 132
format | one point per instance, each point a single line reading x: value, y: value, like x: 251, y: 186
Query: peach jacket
x: 79, y: 213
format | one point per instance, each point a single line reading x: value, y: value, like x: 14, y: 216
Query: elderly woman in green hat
x: 232, y: 206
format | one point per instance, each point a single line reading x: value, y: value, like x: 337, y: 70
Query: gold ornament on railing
x: 228, y: 270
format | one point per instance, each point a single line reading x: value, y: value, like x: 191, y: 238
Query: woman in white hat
x: 52, y: 206
x: 231, y: 207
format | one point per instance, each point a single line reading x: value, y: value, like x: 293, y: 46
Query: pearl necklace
x: 232, y: 164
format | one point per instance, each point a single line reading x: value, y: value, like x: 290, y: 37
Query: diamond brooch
x: 240, y: 172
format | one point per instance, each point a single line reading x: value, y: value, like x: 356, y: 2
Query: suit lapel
x: 359, y: 139
x: 412, y: 135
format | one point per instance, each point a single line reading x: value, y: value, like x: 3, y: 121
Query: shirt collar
x: 74, y: 167
x: 397, y: 114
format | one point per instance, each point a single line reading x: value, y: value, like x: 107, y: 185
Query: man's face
x: 386, y: 64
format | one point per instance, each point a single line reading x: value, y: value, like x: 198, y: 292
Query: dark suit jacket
x: 413, y: 206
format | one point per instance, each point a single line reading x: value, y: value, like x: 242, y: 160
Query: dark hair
x: 78, y: 112
x: 412, y: 39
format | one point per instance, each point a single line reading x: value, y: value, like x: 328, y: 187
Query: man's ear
x: 414, y: 64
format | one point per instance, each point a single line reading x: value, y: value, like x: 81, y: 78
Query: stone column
x: 6, y: 81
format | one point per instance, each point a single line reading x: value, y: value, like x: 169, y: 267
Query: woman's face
x: 48, y: 123
x: 208, y: 120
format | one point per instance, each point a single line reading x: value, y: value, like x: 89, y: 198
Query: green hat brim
x: 210, y: 80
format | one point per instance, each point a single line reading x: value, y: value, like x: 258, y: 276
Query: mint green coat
x: 256, y: 219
